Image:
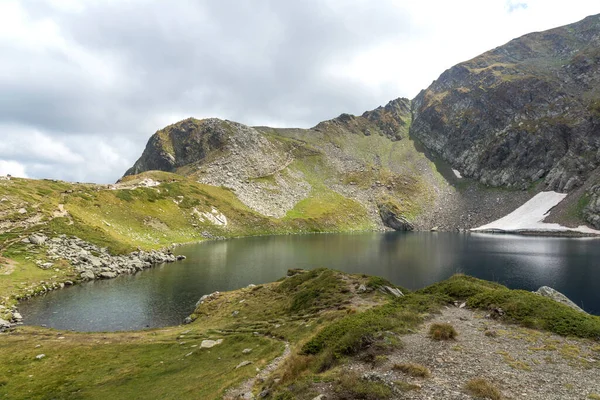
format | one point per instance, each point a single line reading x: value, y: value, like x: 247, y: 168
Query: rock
x: 207, y: 344
x: 235, y: 313
x: 246, y: 351
x: 264, y: 393
x: 40, y: 356
x: 555, y: 295
x: 188, y: 320
x: 17, y: 316
x: 246, y: 396
x: 38, y: 239
x: 108, y: 275
x: 361, y: 289
x: 394, y: 291
x: 243, y: 364
x: 22, y: 211
x: 4, y: 324
x: 462, y: 305
x: 87, y: 275
x: 320, y: 397
x: 181, y: 257
x: 391, y: 217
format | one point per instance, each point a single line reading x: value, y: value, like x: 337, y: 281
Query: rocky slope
x: 349, y: 165
x: 523, y: 112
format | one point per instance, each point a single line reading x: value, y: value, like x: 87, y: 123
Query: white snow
x: 457, y: 173
x: 530, y: 217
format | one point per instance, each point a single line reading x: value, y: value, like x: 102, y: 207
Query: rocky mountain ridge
x: 524, y: 116
x: 522, y: 113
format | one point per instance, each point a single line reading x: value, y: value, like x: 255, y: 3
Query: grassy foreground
x: 327, y: 317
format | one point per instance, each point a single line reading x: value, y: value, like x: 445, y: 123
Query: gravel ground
x: 521, y: 363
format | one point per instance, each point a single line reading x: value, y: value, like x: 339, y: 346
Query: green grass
x: 124, y: 365
x: 481, y: 388
x: 522, y: 307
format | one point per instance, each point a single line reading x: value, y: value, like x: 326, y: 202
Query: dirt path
x: 244, y: 391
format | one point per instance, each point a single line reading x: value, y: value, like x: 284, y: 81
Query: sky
x: 85, y: 83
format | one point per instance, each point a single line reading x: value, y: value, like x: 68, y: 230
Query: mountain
x: 369, y: 161
x: 522, y: 117
x: 523, y: 113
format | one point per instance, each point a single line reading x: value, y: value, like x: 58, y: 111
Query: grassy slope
x: 150, y: 218
x: 319, y: 313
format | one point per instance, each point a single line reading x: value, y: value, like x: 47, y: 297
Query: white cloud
x: 12, y: 168
x: 84, y: 83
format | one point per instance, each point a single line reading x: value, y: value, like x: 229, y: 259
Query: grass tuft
x: 483, y: 389
x: 442, y: 332
x: 414, y: 370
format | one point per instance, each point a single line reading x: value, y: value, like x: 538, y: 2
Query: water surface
x: 166, y: 294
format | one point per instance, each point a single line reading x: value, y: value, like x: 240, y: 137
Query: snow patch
x: 530, y: 217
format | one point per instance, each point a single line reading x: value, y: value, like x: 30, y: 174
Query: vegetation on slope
x: 327, y: 317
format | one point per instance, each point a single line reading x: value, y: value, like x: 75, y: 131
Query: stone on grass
x: 207, y: 344
x: 40, y: 356
x: 243, y: 364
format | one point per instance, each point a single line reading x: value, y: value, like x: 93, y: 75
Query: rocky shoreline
x: 89, y: 261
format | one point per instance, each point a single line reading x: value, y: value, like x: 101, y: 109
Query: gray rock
x: 4, y: 324
x: 87, y: 275
x: 40, y: 356
x: 246, y: 351
x: 555, y: 295
x: 207, y: 344
x: 394, y: 291
x: 243, y: 364
x: 108, y: 275
x: 391, y: 217
x: 361, y: 289
x: 38, y: 239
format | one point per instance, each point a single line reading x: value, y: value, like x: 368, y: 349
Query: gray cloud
x: 85, y: 83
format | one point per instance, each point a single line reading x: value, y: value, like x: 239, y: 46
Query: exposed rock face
x: 392, y: 121
x: 181, y: 144
x: 555, y: 295
x: 391, y: 217
x: 524, y: 111
x: 592, y: 211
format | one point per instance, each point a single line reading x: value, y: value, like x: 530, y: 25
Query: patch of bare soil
x: 7, y: 266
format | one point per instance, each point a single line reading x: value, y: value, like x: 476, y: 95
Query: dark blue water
x: 165, y: 295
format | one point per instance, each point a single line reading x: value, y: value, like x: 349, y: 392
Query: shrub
x: 442, y: 332
x: 483, y: 389
x: 351, y: 386
x: 414, y: 370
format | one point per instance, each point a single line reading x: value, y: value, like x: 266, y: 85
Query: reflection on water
x: 165, y: 295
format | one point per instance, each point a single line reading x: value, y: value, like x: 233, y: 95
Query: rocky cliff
x: 523, y: 112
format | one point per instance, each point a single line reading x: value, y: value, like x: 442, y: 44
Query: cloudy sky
x: 84, y: 83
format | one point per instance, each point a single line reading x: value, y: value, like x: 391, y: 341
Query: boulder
x: 4, y: 324
x: 108, y: 275
x: 555, y: 295
x: 243, y: 364
x: 392, y: 218
x: 37, y: 238
x: 207, y: 344
x: 87, y: 275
